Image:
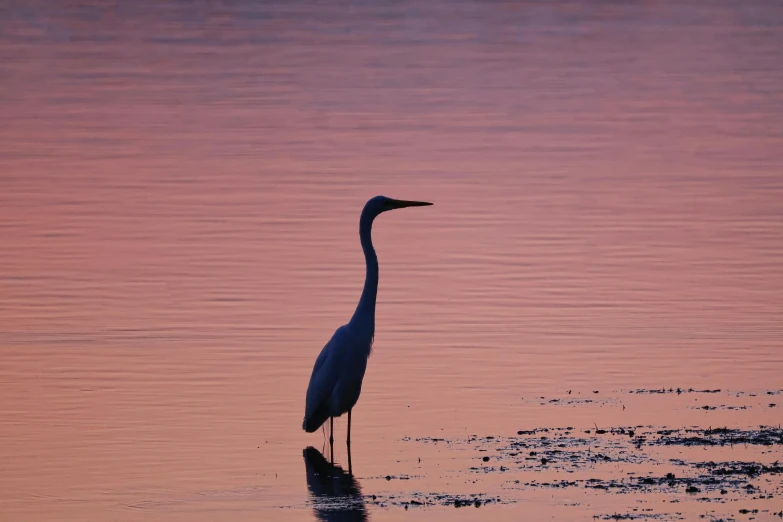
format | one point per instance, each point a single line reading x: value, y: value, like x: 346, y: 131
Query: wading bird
x: 339, y: 369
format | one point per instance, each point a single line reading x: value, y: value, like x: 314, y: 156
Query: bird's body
x: 336, y: 381
x: 337, y: 377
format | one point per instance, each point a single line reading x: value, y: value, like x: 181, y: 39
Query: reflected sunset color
x: 180, y: 190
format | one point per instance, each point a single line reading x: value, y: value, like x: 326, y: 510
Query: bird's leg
x: 331, y: 438
x: 350, y: 468
x: 348, y: 440
x: 348, y: 443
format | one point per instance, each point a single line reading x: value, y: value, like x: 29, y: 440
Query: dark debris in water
x: 395, y: 477
x: 707, y: 407
x: 678, y: 391
x: 632, y: 516
x: 567, y: 450
x: 418, y: 499
x: 700, y: 484
x: 765, y: 436
x: 688, y: 465
x: 561, y: 447
x: 571, y: 400
x: 749, y: 469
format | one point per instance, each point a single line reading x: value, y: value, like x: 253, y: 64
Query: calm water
x: 180, y: 188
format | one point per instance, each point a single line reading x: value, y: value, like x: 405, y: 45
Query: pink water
x: 180, y: 188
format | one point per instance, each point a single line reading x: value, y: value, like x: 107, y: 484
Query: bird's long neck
x: 364, y: 316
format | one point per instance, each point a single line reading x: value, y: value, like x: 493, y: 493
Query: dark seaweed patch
x: 765, y: 436
x: 418, y: 499
x: 561, y: 450
x: 678, y: 391
x: 631, y: 516
x: 750, y: 469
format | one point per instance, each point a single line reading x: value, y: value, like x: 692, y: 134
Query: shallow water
x: 180, y: 188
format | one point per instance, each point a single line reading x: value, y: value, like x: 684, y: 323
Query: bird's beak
x: 401, y: 203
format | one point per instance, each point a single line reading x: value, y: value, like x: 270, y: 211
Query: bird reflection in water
x: 335, y: 494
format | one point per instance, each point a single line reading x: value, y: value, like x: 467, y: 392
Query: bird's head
x: 380, y: 204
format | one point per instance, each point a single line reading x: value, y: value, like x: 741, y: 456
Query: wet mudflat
x: 613, y: 472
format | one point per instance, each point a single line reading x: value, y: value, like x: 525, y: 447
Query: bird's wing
x: 326, y: 372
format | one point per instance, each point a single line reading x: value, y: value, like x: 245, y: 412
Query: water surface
x: 180, y: 188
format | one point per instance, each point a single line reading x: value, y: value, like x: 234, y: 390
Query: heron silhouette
x: 336, y: 381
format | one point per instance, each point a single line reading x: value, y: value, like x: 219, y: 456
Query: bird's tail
x: 316, y: 419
